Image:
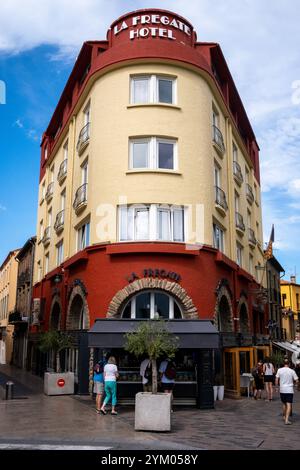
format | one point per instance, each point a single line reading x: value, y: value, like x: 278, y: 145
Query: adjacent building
x: 8, y: 291
x: 20, y: 317
x: 149, y: 203
x: 274, y: 272
x: 290, y: 298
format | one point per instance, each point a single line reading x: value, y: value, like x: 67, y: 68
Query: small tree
x: 55, y: 341
x: 277, y: 359
x: 153, y: 339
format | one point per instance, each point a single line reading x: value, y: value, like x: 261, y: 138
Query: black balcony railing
x: 84, y: 137
x: 59, y: 221
x: 46, y: 236
x: 221, y: 198
x: 49, y: 192
x: 62, y: 173
x: 80, y: 197
x: 239, y: 222
x: 218, y: 138
x: 249, y: 193
x: 237, y: 172
x: 251, y: 236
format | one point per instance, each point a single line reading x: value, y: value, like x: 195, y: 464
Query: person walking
x: 167, y: 371
x: 146, y: 374
x: 110, y: 385
x: 98, y: 384
x: 258, y: 375
x: 268, y: 370
x: 286, y: 377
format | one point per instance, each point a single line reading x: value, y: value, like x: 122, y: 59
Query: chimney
x: 293, y: 279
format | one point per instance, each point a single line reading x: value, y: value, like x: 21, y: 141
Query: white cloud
x: 2, y: 208
x: 19, y: 123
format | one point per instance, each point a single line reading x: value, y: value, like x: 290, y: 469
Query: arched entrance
x: 244, y: 319
x: 78, y: 313
x: 54, y: 323
x: 150, y: 304
x: 224, y: 315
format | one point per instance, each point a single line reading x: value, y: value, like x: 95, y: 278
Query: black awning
x: 192, y: 334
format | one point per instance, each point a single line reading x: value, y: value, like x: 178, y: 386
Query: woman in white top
x: 110, y: 380
x: 269, y: 371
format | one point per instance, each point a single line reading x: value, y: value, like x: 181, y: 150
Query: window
x: 41, y: 229
x: 153, y: 89
x: 151, y: 222
x: 46, y: 263
x: 66, y: 150
x: 153, y: 153
x: 152, y: 304
x: 63, y: 200
x: 60, y: 253
x: 87, y: 114
x: 39, y: 271
x: 43, y: 192
x: 215, y: 118
x: 247, y: 177
x: 234, y: 152
x: 217, y: 175
x: 257, y: 232
x: 249, y: 218
x: 239, y: 254
x: 84, y: 173
x: 283, y: 299
x: 251, y: 265
x: 52, y: 174
x: 49, y: 219
x: 83, y: 236
x: 218, y: 237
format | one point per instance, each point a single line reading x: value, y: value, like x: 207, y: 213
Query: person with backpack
x: 98, y: 384
x: 146, y: 374
x: 167, y: 371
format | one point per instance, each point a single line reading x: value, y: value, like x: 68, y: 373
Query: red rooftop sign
x: 152, y: 25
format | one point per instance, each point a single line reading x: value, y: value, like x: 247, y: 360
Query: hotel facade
x: 149, y: 205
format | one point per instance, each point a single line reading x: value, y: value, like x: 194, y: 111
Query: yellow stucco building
x: 8, y: 294
x: 290, y: 299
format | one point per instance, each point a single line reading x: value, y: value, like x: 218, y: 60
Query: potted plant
x: 57, y: 382
x: 152, y: 338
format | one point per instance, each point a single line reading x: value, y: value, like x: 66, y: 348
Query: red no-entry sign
x: 61, y: 382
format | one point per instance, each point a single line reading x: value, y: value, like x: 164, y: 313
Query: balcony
x: 59, y: 221
x: 62, y: 173
x: 249, y: 194
x: 239, y: 223
x: 237, y: 173
x: 83, y: 139
x: 46, y: 236
x: 220, y: 201
x: 251, y: 237
x: 80, y: 201
x: 49, y: 192
x: 218, y: 141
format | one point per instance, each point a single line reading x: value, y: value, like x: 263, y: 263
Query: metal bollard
x: 9, y: 390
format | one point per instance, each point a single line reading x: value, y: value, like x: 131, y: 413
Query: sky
x: 39, y: 42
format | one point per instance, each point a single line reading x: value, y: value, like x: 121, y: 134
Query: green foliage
x: 153, y: 339
x: 277, y: 358
x: 54, y: 340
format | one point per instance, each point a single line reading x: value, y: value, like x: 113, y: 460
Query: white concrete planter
x: 220, y: 392
x: 152, y: 412
x: 59, y: 383
x: 215, y: 392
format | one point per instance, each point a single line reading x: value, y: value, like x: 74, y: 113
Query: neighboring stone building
x: 274, y: 272
x: 149, y: 198
x: 20, y: 318
x: 8, y: 292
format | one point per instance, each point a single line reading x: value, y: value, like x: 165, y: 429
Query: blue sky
x: 39, y: 42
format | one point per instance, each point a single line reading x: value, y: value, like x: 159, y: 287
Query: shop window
x: 152, y: 304
x: 153, y: 89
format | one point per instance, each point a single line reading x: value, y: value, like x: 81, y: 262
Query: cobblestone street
x: 35, y: 419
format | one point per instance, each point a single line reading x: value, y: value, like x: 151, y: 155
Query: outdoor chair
x: 245, y: 383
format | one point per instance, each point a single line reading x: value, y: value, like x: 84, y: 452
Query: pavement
x: 36, y: 421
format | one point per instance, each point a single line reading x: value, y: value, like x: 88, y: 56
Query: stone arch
x: 77, y: 309
x: 189, y: 310
x: 223, y: 317
x: 243, y: 314
x: 55, y: 314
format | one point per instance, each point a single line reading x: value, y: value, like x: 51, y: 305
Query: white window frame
x: 152, y: 305
x: 85, y: 172
x: 129, y: 212
x: 239, y: 254
x: 153, y: 152
x: 60, y: 253
x: 153, y: 88
x: 217, y: 175
x: 86, y: 236
x: 221, y: 237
